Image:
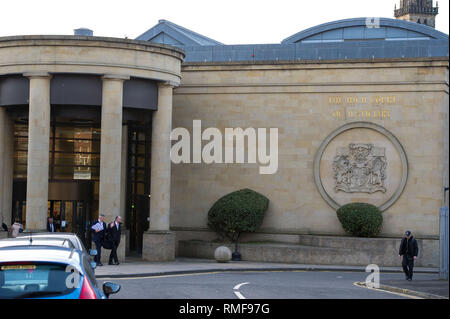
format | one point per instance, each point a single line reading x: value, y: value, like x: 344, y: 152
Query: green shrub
x: 237, y: 212
x: 360, y: 219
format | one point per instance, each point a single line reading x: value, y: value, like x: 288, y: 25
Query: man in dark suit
x: 114, y: 232
x: 51, y: 226
x: 98, y: 229
x: 409, y: 249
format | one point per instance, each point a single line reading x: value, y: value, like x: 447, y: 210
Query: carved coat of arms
x: 360, y: 168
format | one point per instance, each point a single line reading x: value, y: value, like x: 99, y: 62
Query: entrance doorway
x: 69, y: 216
x: 138, y: 184
x: 70, y: 204
x: 72, y: 217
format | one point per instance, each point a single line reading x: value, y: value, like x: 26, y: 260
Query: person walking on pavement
x: 409, y: 249
x: 98, y: 229
x: 114, y: 232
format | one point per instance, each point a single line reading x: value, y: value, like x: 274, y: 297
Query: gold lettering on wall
x: 364, y: 114
x: 363, y: 100
x: 370, y: 106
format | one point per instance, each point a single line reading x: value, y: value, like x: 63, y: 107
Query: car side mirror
x: 93, y: 264
x: 110, y: 288
x: 93, y: 252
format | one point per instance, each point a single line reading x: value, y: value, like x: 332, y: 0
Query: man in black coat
x: 409, y: 249
x: 51, y: 226
x: 98, y: 229
x: 114, y: 232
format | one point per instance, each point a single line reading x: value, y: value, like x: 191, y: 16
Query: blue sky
x: 230, y: 22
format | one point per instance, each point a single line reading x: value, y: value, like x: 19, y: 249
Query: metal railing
x: 416, y: 10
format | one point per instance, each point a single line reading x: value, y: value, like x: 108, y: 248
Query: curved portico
x: 117, y: 84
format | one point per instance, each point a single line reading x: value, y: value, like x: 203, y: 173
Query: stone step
x: 349, y: 242
x: 300, y: 254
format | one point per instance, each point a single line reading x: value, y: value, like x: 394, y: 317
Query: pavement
x: 136, y: 267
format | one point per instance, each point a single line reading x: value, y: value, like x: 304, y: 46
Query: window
x: 20, y: 151
x: 74, y: 152
x: 33, y: 280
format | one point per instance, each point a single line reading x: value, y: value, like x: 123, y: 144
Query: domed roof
x: 365, y: 29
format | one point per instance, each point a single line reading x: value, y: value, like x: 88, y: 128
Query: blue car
x: 49, y: 272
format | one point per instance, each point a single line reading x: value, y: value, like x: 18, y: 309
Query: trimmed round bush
x: 237, y: 212
x: 360, y: 219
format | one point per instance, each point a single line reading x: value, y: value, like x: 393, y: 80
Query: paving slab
x: 430, y: 289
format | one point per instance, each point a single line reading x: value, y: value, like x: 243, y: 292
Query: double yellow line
x: 402, y: 294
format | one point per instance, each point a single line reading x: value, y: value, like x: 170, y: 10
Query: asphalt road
x: 256, y: 285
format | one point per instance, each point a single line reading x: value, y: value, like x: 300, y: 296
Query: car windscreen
x: 36, y: 280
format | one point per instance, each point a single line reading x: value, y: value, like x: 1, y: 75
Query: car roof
x: 53, y: 254
x: 47, y: 234
x: 47, y: 241
x: 70, y: 236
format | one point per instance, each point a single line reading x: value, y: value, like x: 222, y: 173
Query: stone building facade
x: 73, y: 109
x: 360, y: 108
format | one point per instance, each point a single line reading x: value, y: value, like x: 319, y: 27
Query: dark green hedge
x: 360, y: 219
x: 237, y: 212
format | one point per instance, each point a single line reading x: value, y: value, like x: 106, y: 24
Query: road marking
x: 362, y: 285
x: 194, y: 274
x: 158, y: 276
x: 239, y: 295
x: 237, y: 287
x: 209, y: 273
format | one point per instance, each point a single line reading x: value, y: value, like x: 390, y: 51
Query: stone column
x: 6, y: 167
x: 111, y: 155
x: 159, y: 242
x: 3, y: 120
x: 111, y: 147
x: 38, y: 151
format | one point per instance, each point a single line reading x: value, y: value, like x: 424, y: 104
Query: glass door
x: 67, y: 223
x: 70, y: 217
x: 80, y: 209
x: 54, y: 211
x: 138, y: 184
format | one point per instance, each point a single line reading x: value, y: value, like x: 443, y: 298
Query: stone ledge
x: 94, y: 40
x: 304, y: 254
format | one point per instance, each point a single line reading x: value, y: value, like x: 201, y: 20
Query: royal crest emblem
x: 360, y: 168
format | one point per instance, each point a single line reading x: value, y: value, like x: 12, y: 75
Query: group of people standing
x: 103, y: 235
x: 106, y: 236
x: 17, y: 227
